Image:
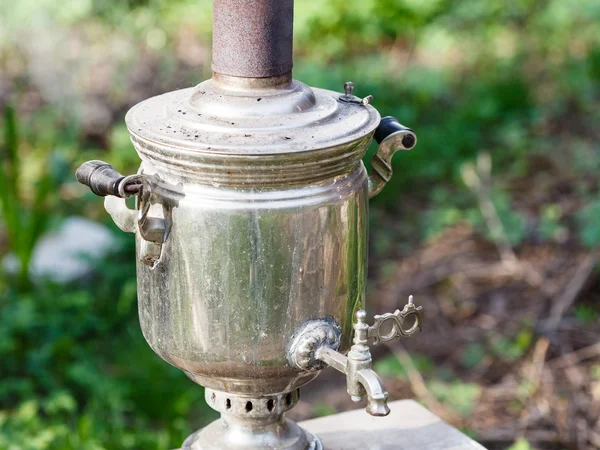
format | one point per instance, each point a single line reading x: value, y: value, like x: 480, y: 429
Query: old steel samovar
x: 251, y: 230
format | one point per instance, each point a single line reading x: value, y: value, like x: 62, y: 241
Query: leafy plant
x: 77, y: 372
x: 25, y: 216
x: 511, y: 349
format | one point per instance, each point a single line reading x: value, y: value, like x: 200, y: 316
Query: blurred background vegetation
x: 492, y: 221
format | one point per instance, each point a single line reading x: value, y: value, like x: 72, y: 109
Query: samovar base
x: 252, y: 423
x: 216, y: 437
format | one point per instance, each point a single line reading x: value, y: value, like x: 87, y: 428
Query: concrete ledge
x: 409, y: 426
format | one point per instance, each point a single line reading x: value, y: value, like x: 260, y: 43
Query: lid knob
x: 349, y: 88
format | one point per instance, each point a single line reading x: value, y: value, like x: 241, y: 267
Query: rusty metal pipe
x: 252, y: 38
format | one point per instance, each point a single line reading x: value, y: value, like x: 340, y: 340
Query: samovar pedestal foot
x: 252, y: 423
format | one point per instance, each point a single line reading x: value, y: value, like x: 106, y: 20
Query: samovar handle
x: 391, y: 137
x: 105, y: 181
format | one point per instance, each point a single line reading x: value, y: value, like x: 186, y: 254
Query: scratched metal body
x: 242, y: 269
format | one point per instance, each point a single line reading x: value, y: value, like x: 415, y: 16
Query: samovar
x: 251, y: 230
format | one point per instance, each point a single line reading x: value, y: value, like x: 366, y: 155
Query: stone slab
x: 409, y: 426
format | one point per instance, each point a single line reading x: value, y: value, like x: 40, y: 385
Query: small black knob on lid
x: 390, y: 125
x: 102, y: 178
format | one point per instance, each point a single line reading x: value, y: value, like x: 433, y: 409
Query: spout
x: 316, y: 345
x: 360, y: 377
x: 377, y: 396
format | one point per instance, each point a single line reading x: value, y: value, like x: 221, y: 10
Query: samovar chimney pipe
x: 252, y: 39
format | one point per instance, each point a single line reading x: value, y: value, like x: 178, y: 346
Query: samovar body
x: 251, y: 231
x: 243, y: 268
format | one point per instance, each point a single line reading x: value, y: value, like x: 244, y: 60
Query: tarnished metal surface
x: 312, y: 336
x: 381, y: 162
x: 316, y: 343
x: 243, y: 269
x: 349, y: 96
x: 282, y: 435
x: 252, y: 423
x: 193, y: 130
x: 252, y: 38
x: 252, y: 84
x: 396, y: 320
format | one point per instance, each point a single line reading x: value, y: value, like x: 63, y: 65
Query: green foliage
x: 550, y: 226
x: 458, y: 396
x: 449, y: 208
x: 472, y: 355
x: 25, y: 216
x: 589, y: 220
x: 514, y: 225
x: 586, y: 313
x: 77, y: 373
x: 511, y: 349
x: 513, y: 222
x: 521, y: 444
x: 351, y: 25
x: 391, y: 367
x: 322, y: 409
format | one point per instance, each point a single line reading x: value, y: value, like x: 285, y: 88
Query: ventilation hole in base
x: 270, y: 405
x: 288, y: 399
x: 248, y: 406
x: 228, y: 404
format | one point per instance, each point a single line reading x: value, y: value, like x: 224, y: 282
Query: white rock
x: 64, y: 254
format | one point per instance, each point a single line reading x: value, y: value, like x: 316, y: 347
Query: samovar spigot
x: 317, y: 342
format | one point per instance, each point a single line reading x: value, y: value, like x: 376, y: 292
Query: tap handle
x: 398, y: 321
x: 103, y: 179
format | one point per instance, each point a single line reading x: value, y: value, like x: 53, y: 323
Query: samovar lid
x: 224, y: 117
